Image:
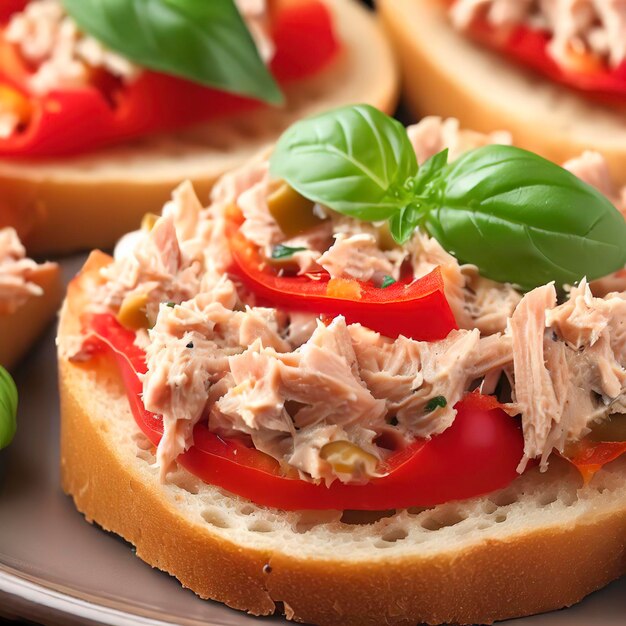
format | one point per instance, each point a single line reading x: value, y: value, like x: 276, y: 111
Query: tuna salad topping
x: 272, y: 316
x: 18, y: 274
x: 577, y: 27
x: 47, y: 37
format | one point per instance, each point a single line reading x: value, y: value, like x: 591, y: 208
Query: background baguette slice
x: 89, y: 201
x: 541, y: 544
x: 445, y: 74
x: 19, y: 330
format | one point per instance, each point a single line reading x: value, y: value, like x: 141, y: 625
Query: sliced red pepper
x: 418, y: 309
x: 71, y: 121
x: 529, y: 47
x: 478, y: 454
x: 590, y: 457
x: 8, y: 7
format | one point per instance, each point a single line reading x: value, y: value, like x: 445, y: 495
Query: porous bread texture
x: 446, y: 74
x: 89, y: 201
x: 542, y: 543
x: 19, y: 330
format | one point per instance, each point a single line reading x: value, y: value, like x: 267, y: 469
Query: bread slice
x: 446, y: 74
x: 19, y: 330
x: 543, y: 543
x: 61, y: 205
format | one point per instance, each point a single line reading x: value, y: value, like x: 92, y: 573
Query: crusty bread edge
x: 491, y: 581
x: 19, y: 330
x: 539, y: 115
x: 90, y: 201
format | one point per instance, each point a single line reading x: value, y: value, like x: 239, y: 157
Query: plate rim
x: 58, y: 600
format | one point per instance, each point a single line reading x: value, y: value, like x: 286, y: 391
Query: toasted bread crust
x: 19, y: 330
x: 531, y: 571
x: 446, y: 74
x: 62, y: 205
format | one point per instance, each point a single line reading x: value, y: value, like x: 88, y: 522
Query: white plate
x: 56, y: 568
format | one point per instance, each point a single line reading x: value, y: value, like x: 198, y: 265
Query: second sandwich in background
x: 550, y: 72
x: 97, y: 123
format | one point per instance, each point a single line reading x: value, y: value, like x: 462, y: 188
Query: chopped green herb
x: 284, y: 252
x: 438, y: 402
x: 170, y: 304
x: 387, y: 282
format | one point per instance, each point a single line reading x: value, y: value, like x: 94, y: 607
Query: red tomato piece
x: 478, y: 454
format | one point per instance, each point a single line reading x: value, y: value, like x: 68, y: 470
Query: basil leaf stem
x: 516, y: 216
x: 206, y: 42
x: 8, y: 408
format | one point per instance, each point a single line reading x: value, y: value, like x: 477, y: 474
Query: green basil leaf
x: 354, y: 160
x: 402, y: 225
x: 523, y: 219
x: 8, y: 408
x: 430, y: 170
x: 284, y: 252
x: 206, y: 42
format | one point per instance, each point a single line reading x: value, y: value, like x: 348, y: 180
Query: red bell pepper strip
x: 590, y: 457
x: 8, y: 7
x: 418, y: 310
x: 478, y: 454
x: 72, y: 121
x: 529, y: 47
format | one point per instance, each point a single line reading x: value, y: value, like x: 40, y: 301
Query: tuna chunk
x: 407, y: 374
x: 433, y: 134
x: 17, y: 273
x: 155, y: 267
x: 188, y: 352
x: 182, y: 362
x: 259, y: 226
x: 534, y: 391
x: 568, y: 368
x: 581, y: 320
x: 359, y: 257
x: 277, y: 398
x: 488, y: 303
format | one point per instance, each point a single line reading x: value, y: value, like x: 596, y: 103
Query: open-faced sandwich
x: 105, y: 106
x: 359, y: 390
x: 553, y: 72
x: 30, y: 295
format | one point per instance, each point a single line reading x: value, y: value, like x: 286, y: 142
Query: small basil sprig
x: 205, y: 41
x: 518, y: 217
x: 8, y: 408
